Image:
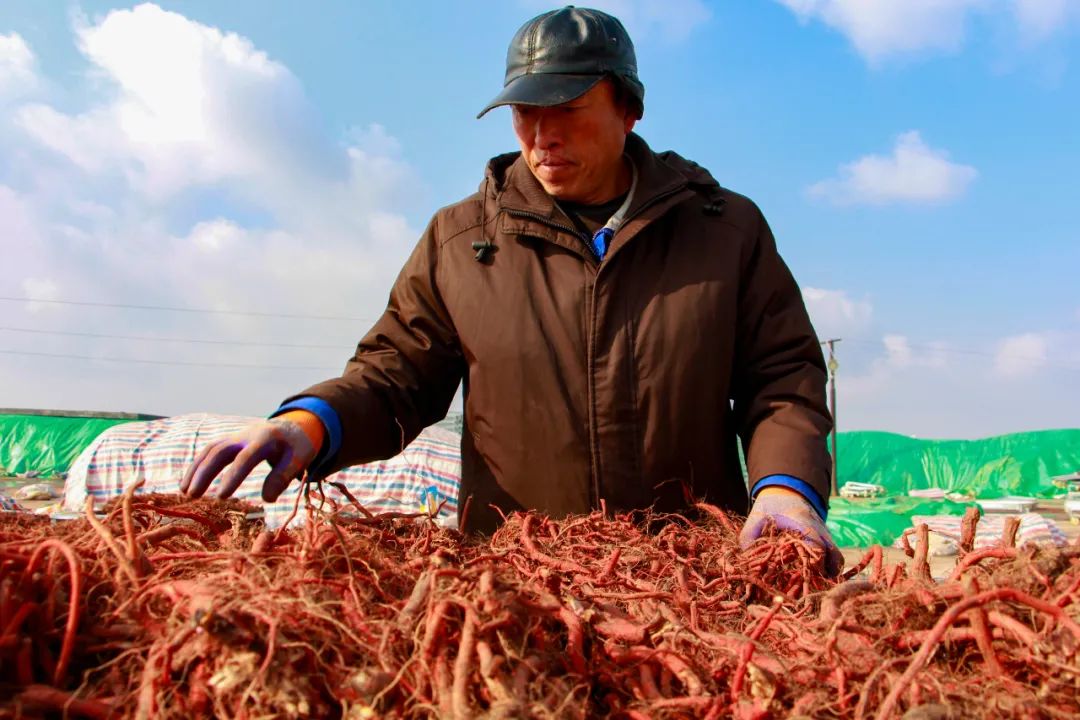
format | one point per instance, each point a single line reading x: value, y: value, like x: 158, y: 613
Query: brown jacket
x: 625, y: 380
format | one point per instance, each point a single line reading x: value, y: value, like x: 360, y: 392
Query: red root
x: 642, y: 615
x: 967, y: 529
x: 922, y: 548
x: 73, y: 601
x: 43, y: 697
x: 1001, y: 553
x: 950, y: 616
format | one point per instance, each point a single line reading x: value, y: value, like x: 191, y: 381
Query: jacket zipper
x: 558, y: 226
x: 594, y: 453
x: 594, y: 432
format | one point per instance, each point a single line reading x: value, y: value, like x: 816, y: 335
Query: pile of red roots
x: 164, y: 607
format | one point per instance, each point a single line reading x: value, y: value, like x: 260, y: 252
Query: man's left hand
x: 788, y: 510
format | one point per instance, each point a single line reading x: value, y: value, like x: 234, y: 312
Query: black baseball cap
x: 560, y: 55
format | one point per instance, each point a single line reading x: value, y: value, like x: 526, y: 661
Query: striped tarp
x: 1034, y: 528
x: 426, y: 475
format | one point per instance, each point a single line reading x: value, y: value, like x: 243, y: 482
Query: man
x: 617, y: 317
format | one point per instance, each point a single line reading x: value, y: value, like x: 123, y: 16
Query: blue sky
x: 916, y: 158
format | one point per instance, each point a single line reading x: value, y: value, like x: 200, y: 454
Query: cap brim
x: 543, y: 90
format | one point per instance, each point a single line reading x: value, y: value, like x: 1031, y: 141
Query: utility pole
x: 833, y: 367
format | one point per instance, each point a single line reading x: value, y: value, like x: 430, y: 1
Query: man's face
x: 575, y: 149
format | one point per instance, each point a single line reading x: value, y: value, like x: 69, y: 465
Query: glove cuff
x: 793, y: 483
x: 308, y: 422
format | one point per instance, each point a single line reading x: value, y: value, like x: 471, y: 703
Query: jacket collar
x: 519, y: 191
x: 525, y: 208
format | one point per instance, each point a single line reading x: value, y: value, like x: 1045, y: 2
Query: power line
x: 938, y: 348
x: 211, y: 311
x: 168, y: 362
x: 980, y: 353
x: 305, y: 346
x: 205, y: 311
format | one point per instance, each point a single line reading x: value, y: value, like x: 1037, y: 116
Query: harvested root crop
x: 176, y: 609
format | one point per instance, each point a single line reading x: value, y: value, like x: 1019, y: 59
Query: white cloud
x: 1039, y: 19
x: 17, y: 222
x: 938, y: 389
x: 897, y: 350
x: 200, y: 177
x: 834, y: 313
x: 914, y: 173
x: 899, y: 353
x: 22, y: 240
x: 1021, y: 354
x: 215, y: 236
x: 40, y: 289
x: 885, y: 29
x: 90, y: 141
x: 672, y: 20
x: 935, y: 388
x: 375, y: 141
x: 17, y: 66
x: 190, y: 105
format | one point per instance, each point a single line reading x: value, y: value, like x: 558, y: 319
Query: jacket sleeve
x: 779, y: 373
x: 404, y: 373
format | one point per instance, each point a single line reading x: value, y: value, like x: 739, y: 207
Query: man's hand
x: 788, y: 510
x: 283, y: 443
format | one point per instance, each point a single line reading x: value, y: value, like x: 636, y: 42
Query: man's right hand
x: 788, y: 510
x: 285, y: 444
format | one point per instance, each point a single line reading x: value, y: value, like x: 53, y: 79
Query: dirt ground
x: 10, y: 485
x: 939, y: 566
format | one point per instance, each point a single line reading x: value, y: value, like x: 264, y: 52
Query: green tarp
x: 47, y: 444
x: 863, y: 522
x: 1018, y: 464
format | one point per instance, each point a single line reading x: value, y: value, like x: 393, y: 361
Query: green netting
x: 1018, y: 464
x: 863, y: 522
x: 46, y: 444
